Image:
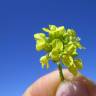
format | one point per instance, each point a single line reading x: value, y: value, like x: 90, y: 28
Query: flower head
x: 61, y: 46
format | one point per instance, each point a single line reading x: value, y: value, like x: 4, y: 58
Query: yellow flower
x: 44, y: 61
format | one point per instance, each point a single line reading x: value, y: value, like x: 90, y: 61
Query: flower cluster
x: 61, y: 46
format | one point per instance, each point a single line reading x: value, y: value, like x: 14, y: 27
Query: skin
x: 50, y: 85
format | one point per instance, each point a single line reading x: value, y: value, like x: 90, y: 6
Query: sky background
x: 20, y: 19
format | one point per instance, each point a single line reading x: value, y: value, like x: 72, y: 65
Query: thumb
x: 79, y: 86
x: 70, y: 88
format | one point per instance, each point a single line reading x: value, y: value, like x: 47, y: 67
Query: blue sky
x: 20, y: 19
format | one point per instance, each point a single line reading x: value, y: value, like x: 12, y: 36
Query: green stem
x: 60, y: 71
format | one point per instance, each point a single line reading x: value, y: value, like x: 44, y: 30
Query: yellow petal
x: 44, y: 61
x: 52, y: 27
x: 40, y: 44
x: 78, y: 63
x: 67, y: 60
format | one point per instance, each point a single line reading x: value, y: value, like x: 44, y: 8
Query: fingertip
x: 71, y: 88
x: 27, y: 92
x: 44, y: 86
